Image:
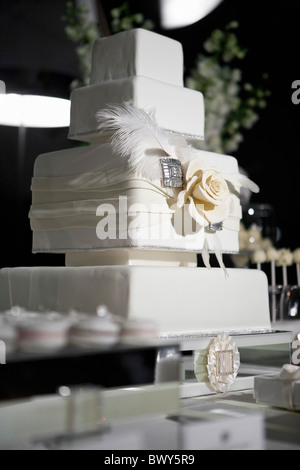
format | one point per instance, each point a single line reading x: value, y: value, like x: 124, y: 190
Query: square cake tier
x: 177, y: 109
x: 91, y: 198
x: 179, y: 300
x: 137, y: 52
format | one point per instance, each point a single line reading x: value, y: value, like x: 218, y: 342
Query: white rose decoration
x: 207, y: 193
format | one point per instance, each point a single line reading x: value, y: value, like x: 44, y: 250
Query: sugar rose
x: 207, y: 193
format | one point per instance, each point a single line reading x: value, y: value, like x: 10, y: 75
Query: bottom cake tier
x: 180, y: 300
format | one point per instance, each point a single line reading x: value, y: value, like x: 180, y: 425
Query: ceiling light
x: 180, y: 13
x: 34, y: 111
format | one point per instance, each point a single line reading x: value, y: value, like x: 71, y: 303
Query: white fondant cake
x: 131, y: 66
x: 91, y: 198
x: 137, y: 52
x: 177, y: 109
x: 139, y: 195
x: 179, y: 300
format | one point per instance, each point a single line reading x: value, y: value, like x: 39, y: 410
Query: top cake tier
x: 137, y: 52
x: 144, y: 68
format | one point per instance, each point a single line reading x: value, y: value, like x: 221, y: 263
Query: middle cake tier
x: 177, y: 109
x: 91, y: 198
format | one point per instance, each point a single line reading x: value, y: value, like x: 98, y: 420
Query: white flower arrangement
x: 230, y: 105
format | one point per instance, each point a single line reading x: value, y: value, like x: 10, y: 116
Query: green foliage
x: 123, y: 19
x: 230, y: 104
x: 82, y: 33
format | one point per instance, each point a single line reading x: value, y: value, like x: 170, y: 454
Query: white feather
x: 239, y: 180
x: 249, y: 184
x: 205, y: 254
x: 137, y: 137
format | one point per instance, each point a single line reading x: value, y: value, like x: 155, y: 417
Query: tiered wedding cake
x: 132, y: 210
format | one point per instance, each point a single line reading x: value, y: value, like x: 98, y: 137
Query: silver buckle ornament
x: 172, y: 172
x: 217, y: 227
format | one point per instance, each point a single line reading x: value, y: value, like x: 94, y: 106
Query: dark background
x: 37, y: 57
